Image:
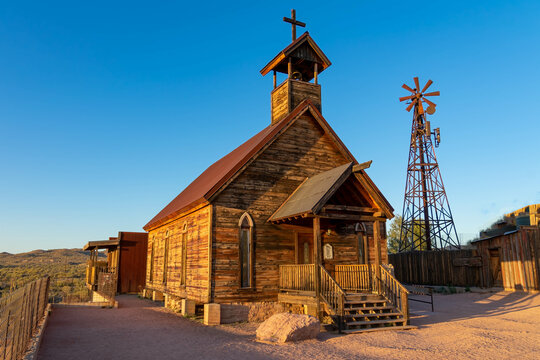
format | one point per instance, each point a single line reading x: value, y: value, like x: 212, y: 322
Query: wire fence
x: 20, y: 314
x: 107, y: 283
x: 69, y: 291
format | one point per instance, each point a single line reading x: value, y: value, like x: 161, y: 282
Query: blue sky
x: 108, y: 110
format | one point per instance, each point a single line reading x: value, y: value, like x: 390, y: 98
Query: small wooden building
x: 126, y: 259
x: 512, y: 260
x: 278, y: 216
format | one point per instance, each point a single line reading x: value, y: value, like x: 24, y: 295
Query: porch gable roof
x: 313, y: 193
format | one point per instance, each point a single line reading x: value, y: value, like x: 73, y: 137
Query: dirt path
x: 482, y: 326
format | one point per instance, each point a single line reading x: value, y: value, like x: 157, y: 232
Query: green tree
x: 394, y: 233
x: 392, y: 237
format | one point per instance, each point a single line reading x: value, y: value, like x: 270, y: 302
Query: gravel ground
x: 464, y: 326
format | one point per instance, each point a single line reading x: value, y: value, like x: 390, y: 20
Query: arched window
x: 246, y: 251
x: 184, y: 254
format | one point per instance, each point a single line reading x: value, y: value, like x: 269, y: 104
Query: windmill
x: 427, y: 222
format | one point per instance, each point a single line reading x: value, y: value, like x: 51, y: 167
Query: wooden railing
x: 93, y: 268
x: 357, y: 278
x: 20, y: 313
x: 363, y: 278
x: 297, y: 277
x: 392, y: 290
x: 331, y: 292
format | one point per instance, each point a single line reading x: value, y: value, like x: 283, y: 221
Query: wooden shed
x: 512, y: 260
x: 126, y: 259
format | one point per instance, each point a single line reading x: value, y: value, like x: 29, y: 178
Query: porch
x: 357, y: 298
x: 102, y: 275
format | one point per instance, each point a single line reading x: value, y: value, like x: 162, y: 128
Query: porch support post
x: 317, y: 256
x: 377, y: 240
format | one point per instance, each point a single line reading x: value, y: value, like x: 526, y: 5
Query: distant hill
x: 66, y: 267
x: 41, y: 257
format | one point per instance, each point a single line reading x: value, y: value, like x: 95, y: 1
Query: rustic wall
x: 518, y: 256
x: 197, y: 257
x: 303, y: 150
x: 290, y: 94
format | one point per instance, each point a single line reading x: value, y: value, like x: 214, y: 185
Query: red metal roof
x: 203, y: 187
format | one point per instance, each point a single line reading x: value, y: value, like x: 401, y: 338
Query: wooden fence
x: 448, y: 267
x: 20, y: 313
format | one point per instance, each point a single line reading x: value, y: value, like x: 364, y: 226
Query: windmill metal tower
x: 427, y: 220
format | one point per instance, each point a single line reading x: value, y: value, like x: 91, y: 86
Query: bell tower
x: 302, y: 61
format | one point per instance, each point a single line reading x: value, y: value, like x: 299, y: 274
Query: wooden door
x: 305, y: 248
x: 495, y: 267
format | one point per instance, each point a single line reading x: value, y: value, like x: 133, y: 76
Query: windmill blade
x: 430, y: 103
x: 407, y: 88
x: 417, y: 83
x: 406, y: 97
x: 428, y: 84
x: 435, y: 93
x: 410, y: 105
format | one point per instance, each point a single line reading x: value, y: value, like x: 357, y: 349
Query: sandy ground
x: 464, y: 326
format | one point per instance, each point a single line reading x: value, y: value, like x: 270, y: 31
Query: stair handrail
x: 332, y: 294
x: 394, y: 291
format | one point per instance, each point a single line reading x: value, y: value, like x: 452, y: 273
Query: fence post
x: 7, y: 332
x: 20, y: 330
x: 12, y: 340
x: 341, y: 312
x: 406, y: 308
x: 16, y: 332
x: 31, y: 317
x: 36, y: 306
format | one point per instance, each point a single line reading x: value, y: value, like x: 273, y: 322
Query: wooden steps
x: 367, y: 308
x: 370, y: 312
x: 370, y: 315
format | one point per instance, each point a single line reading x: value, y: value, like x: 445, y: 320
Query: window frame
x: 152, y: 259
x: 166, y: 256
x: 183, y: 264
x: 250, y: 255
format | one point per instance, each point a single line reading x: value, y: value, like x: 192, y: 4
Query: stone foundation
x: 157, y: 296
x: 188, y: 307
x: 247, y: 312
x: 260, y: 311
x: 147, y: 293
x: 212, y: 314
x: 173, y: 302
x: 98, y: 298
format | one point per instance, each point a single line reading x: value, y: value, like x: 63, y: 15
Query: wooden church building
x: 288, y: 215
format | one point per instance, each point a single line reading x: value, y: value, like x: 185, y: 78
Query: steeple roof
x: 304, y: 53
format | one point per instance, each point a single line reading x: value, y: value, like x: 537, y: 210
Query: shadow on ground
x: 471, y: 305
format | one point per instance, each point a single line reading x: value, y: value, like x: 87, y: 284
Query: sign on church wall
x: 328, y: 252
